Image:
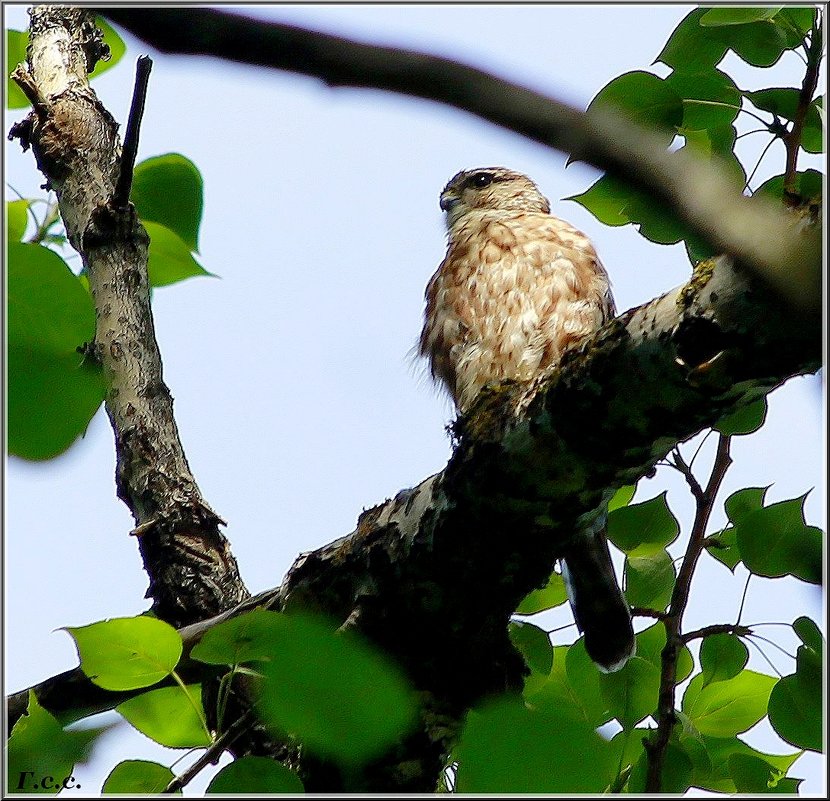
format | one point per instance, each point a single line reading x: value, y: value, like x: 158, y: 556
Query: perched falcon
x: 517, y: 288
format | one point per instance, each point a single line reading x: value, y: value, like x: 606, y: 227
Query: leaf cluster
x: 698, y: 104
x: 55, y: 381
x: 325, y: 689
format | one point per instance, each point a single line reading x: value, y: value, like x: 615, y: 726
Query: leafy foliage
x: 127, y: 653
x: 700, y: 103
x: 138, y: 776
x: 330, y: 690
x: 53, y: 388
x: 40, y: 749
x: 172, y: 716
x: 254, y: 775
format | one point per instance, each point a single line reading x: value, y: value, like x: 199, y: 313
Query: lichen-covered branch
x: 784, y: 253
x: 75, y: 141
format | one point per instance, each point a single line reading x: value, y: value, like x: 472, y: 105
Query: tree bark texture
x: 75, y: 141
x: 532, y: 466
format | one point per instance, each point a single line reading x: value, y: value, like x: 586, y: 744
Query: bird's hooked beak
x: 449, y: 201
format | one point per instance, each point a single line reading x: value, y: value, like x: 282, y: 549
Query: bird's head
x: 490, y: 189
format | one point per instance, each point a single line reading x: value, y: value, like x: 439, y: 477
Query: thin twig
x: 717, y: 628
x: 665, y: 715
x: 792, y: 140
x: 687, y: 473
x: 121, y: 195
x: 212, y: 753
x: 641, y: 611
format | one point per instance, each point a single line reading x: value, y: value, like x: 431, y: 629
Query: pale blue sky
x: 296, y: 398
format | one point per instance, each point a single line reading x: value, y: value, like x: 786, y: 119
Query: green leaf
x: 628, y: 749
x: 782, y: 101
x: 53, y: 390
x: 245, y: 638
x: 170, y: 259
x: 776, y: 541
x: 649, y: 526
x: 614, y: 203
x: 654, y: 220
x: 728, y: 707
x: 42, y: 754
x: 693, y: 48
x: 646, y: 99
x: 138, y: 776
x: 752, y: 774
x: 172, y: 716
x: 802, y: 19
x: 631, y: 692
x: 796, y: 711
x: 650, y: 644
x: 760, y: 43
x: 722, y: 656
x: 534, y: 645
x: 607, y: 199
x: 127, y: 653
x: 721, y: 749
x: 808, y: 632
x: 116, y: 45
x: 253, y: 774
x: 737, y: 506
x: 743, y: 420
x: 736, y: 16
x: 692, y: 743
x: 812, y: 135
x: 649, y: 579
x: 341, y: 698
x: 723, y: 546
x: 507, y: 748
x: 622, y: 497
x: 710, y: 98
x: 16, y: 43
x: 168, y: 190
x: 743, y: 502
x: 556, y: 694
x: 583, y: 677
x: 551, y: 595
x: 17, y: 219
x: 808, y: 184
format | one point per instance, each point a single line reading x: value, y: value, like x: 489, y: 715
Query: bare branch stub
x: 75, y: 141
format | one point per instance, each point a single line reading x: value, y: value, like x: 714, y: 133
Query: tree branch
x: 656, y: 746
x: 211, y: 754
x: 74, y: 138
x: 792, y: 140
x: 532, y: 465
x: 717, y: 628
x: 785, y: 253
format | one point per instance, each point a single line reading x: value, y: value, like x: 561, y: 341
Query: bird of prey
x: 517, y: 288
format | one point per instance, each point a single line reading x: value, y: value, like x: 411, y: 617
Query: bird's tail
x: 601, y: 612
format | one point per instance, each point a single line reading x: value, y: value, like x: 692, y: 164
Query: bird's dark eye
x: 481, y: 179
